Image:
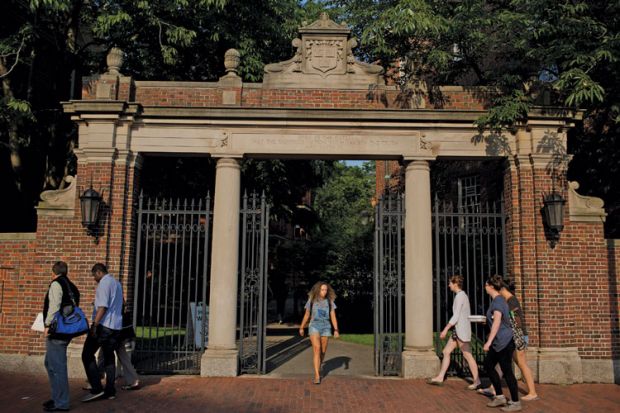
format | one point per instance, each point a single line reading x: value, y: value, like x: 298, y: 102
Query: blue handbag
x: 70, y: 321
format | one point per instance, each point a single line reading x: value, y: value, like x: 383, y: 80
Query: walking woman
x: 521, y: 344
x: 320, y: 310
x: 460, y: 335
x: 500, y: 347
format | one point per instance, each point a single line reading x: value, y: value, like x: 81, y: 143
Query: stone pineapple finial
x: 232, y: 59
x: 115, y: 59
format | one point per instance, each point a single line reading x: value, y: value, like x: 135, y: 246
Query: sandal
x: 474, y: 386
x: 434, y: 383
x: 527, y: 398
x: 134, y: 386
x: 317, y: 381
x: 485, y: 392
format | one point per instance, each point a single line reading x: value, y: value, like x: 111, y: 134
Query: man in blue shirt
x: 104, y: 333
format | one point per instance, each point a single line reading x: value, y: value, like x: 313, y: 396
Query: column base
x: 420, y: 364
x: 559, y: 365
x: 219, y: 363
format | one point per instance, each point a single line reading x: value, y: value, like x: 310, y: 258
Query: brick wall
x: 27, y: 264
x: 210, y: 94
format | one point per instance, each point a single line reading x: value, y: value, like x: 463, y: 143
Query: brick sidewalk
x: 337, y: 394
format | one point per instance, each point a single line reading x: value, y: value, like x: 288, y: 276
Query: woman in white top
x: 461, y: 334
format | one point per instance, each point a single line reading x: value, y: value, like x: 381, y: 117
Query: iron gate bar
x: 163, y: 344
x: 253, y: 291
x: 478, y: 231
x: 388, y: 285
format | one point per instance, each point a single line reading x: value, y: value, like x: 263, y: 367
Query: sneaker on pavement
x: 497, y: 401
x: 512, y: 407
x: 93, y: 396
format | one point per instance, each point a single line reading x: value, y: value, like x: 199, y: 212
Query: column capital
x: 228, y: 162
x: 418, y: 165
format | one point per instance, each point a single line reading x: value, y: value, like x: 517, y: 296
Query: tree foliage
x: 46, y: 46
x: 563, y: 53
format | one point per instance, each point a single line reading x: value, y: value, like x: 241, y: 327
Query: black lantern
x: 90, y: 201
x: 553, y: 214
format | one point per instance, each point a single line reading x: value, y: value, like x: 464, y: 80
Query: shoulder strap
x: 68, y: 289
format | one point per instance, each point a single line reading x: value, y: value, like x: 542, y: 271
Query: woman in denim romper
x: 320, y: 310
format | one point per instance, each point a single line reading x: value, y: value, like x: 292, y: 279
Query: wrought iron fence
x: 468, y: 240
x: 170, y: 310
x: 388, y: 285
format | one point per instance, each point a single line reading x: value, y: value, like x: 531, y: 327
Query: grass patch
x: 365, y: 339
x: 154, y: 332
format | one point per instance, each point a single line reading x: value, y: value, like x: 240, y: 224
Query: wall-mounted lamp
x: 553, y: 216
x: 90, y: 202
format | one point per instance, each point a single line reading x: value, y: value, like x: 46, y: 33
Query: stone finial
x: 232, y: 59
x: 584, y: 208
x: 115, y: 59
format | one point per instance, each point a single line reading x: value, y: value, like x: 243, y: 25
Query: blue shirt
x: 109, y: 294
x: 504, y: 335
x: 320, y: 312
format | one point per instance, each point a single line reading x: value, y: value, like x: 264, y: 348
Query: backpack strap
x: 68, y: 289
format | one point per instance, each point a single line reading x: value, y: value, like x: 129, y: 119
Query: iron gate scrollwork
x: 388, y: 285
x: 468, y: 240
x: 170, y: 307
x: 253, y: 284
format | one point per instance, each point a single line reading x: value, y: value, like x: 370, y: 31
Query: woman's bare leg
x: 316, y: 348
x: 324, y: 341
x: 471, y: 361
x: 445, y: 363
x: 521, y: 360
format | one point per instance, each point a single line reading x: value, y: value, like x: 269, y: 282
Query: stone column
x: 220, y: 358
x: 419, y: 358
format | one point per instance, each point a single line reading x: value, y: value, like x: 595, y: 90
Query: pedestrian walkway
x: 342, y: 359
x: 337, y: 394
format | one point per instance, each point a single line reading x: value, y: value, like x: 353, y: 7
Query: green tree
x: 531, y: 51
x: 46, y: 46
x: 345, y: 235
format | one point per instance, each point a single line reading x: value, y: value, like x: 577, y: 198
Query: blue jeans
x: 56, y: 366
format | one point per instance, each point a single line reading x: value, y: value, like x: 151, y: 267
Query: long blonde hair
x: 315, y: 292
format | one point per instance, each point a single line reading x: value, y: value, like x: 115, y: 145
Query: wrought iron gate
x: 468, y: 240
x: 171, y: 284
x: 253, y: 284
x: 388, y: 285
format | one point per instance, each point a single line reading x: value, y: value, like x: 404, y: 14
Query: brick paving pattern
x: 23, y: 393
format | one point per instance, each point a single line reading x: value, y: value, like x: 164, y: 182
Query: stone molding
x: 584, y: 208
x: 59, y: 202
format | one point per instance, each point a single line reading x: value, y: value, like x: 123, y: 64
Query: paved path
x: 341, y: 359
x: 337, y: 394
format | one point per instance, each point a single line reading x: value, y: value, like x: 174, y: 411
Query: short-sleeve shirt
x: 515, y: 308
x: 320, y: 311
x: 109, y: 294
x: 504, y: 335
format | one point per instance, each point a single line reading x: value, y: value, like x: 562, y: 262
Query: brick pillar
x: 564, y: 290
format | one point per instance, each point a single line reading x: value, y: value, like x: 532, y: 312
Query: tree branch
x: 7, y: 72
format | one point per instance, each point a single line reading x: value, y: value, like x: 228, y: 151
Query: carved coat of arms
x: 324, y: 55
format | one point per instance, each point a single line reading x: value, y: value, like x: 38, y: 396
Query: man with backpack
x: 61, y: 294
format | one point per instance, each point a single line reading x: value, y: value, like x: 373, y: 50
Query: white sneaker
x: 498, y: 401
x: 512, y: 407
x: 93, y: 396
